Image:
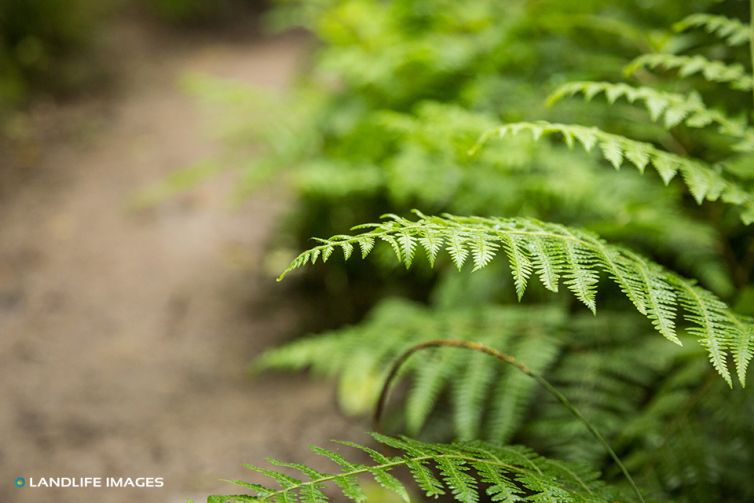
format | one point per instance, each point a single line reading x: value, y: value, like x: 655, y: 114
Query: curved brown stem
x: 508, y: 359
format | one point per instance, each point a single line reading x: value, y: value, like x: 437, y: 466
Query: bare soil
x: 125, y: 336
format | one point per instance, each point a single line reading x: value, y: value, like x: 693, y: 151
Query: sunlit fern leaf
x: 714, y: 71
x: 382, y: 476
x: 580, y: 276
x: 744, y: 350
x: 731, y: 31
x: 519, y: 261
x: 360, y: 355
x: 585, y: 258
x: 711, y: 318
x: 703, y: 181
x: 548, y: 262
x: 463, y: 470
x: 670, y: 108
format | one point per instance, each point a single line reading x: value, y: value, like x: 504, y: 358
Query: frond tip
x: 575, y: 256
x: 463, y: 470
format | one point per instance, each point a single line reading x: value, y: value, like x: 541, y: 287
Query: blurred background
x: 161, y: 161
x: 125, y: 331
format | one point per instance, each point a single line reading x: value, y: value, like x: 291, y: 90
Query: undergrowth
x: 443, y: 111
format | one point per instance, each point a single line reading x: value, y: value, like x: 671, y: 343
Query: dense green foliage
x: 409, y: 105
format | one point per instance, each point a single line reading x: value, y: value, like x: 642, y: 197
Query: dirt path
x: 125, y: 337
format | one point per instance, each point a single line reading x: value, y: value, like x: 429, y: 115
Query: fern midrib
x: 404, y: 461
x: 355, y: 239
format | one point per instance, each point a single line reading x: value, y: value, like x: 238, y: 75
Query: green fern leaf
x: 547, y: 260
x: 519, y: 263
x: 584, y: 258
x: 456, y: 476
x: 509, y: 472
x: 731, y: 31
x: 469, y: 394
x: 671, y: 108
x: 704, y: 182
x: 714, y: 71
x: 467, y: 377
x: 430, y: 381
x: 515, y: 390
x: 347, y: 483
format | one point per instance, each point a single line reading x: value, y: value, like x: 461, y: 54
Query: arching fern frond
x: 734, y: 75
x: 703, y: 181
x: 359, y: 356
x: 465, y: 471
x: 731, y: 31
x: 670, y: 108
x: 573, y: 255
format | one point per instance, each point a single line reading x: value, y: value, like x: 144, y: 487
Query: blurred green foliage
x: 386, y: 118
x: 37, y: 40
x: 400, y: 91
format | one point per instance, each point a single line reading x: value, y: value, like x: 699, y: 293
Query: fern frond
x: 670, y: 108
x: 714, y: 71
x: 457, y: 469
x: 360, y: 355
x: 608, y: 370
x: 731, y: 31
x: 582, y: 255
x: 703, y: 181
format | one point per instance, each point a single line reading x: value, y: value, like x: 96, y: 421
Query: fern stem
x: 510, y: 360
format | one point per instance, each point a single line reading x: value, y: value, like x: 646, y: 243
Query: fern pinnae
x: 712, y: 70
x: 381, y: 476
x: 357, y: 355
x: 659, y: 300
x: 429, y: 382
x: 514, y: 390
x: 703, y: 181
x: 584, y: 258
x: 548, y: 262
x: 732, y: 31
x: 672, y: 108
x: 520, y: 264
x: 514, y: 471
x: 469, y: 393
x: 580, y: 277
x: 507, y: 360
x: 713, y: 325
x: 744, y: 348
x: 463, y: 485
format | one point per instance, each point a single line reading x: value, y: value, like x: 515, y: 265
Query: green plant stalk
x: 508, y: 359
